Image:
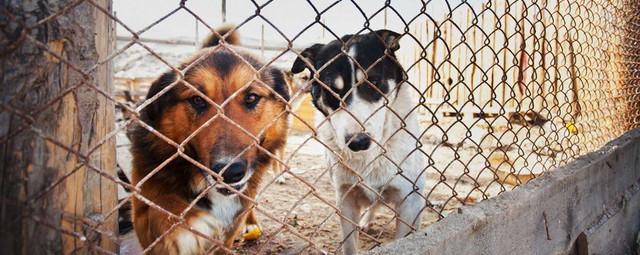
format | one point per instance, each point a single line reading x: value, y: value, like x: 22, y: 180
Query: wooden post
x: 556, y: 50
x: 448, y: 80
x: 505, y: 76
x: 576, y: 109
x: 540, y: 101
x: 481, y: 100
x: 474, y: 47
x: 424, y: 56
x: 434, y: 52
x: 492, y: 82
x: 523, y: 59
x: 459, y: 100
x: 52, y: 202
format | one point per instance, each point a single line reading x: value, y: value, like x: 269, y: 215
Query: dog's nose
x: 358, y: 142
x: 233, y: 172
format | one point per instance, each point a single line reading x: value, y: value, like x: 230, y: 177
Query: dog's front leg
x: 151, y: 224
x: 409, y: 211
x: 349, y: 218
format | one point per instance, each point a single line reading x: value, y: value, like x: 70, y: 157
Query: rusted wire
x: 506, y: 91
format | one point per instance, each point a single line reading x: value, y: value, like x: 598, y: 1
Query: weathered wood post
x: 55, y: 152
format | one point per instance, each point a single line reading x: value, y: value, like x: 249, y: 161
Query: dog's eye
x: 198, y: 103
x: 251, y: 100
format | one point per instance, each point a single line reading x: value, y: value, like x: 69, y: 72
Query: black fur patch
x: 152, y: 112
x: 125, y: 225
x: 223, y: 62
x: 370, y: 55
x: 279, y: 83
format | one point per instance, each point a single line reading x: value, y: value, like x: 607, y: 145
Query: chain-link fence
x: 466, y: 100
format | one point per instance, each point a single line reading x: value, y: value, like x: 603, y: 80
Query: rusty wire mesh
x: 506, y: 91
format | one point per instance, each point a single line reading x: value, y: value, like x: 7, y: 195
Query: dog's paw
x: 366, y: 227
x: 252, y: 232
x: 370, y: 230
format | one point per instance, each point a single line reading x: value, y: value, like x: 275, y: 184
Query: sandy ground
x: 457, y: 175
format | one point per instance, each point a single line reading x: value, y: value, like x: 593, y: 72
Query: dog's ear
x: 390, y: 39
x: 281, y: 83
x: 299, y: 83
x: 228, y: 33
x: 309, y: 54
x: 151, y: 113
x: 345, y: 38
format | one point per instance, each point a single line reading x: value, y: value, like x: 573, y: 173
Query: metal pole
x: 323, y: 28
x: 197, y: 41
x: 262, y: 41
x: 385, y: 18
x: 224, y: 11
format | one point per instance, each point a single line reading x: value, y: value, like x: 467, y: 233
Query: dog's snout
x: 234, y: 171
x: 358, y: 142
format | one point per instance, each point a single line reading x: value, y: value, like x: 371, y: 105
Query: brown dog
x: 233, y: 138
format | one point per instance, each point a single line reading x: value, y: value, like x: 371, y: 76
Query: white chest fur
x: 224, y: 208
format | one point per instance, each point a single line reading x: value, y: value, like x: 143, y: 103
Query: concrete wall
x: 590, y: 206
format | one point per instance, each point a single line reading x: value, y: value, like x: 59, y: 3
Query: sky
x: 289, y: 16
x: 296, y: 20
x: 465, y: 56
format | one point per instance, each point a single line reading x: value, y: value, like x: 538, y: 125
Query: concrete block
x: 590, y: 205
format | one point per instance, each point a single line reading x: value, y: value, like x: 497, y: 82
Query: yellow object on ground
x: 571, y: 127
x: 253, y: 232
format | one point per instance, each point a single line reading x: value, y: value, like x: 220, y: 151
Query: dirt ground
x: 458, y: 173
x: 309, y: 211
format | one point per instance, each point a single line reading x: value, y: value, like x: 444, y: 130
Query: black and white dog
x: 369, y: 123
